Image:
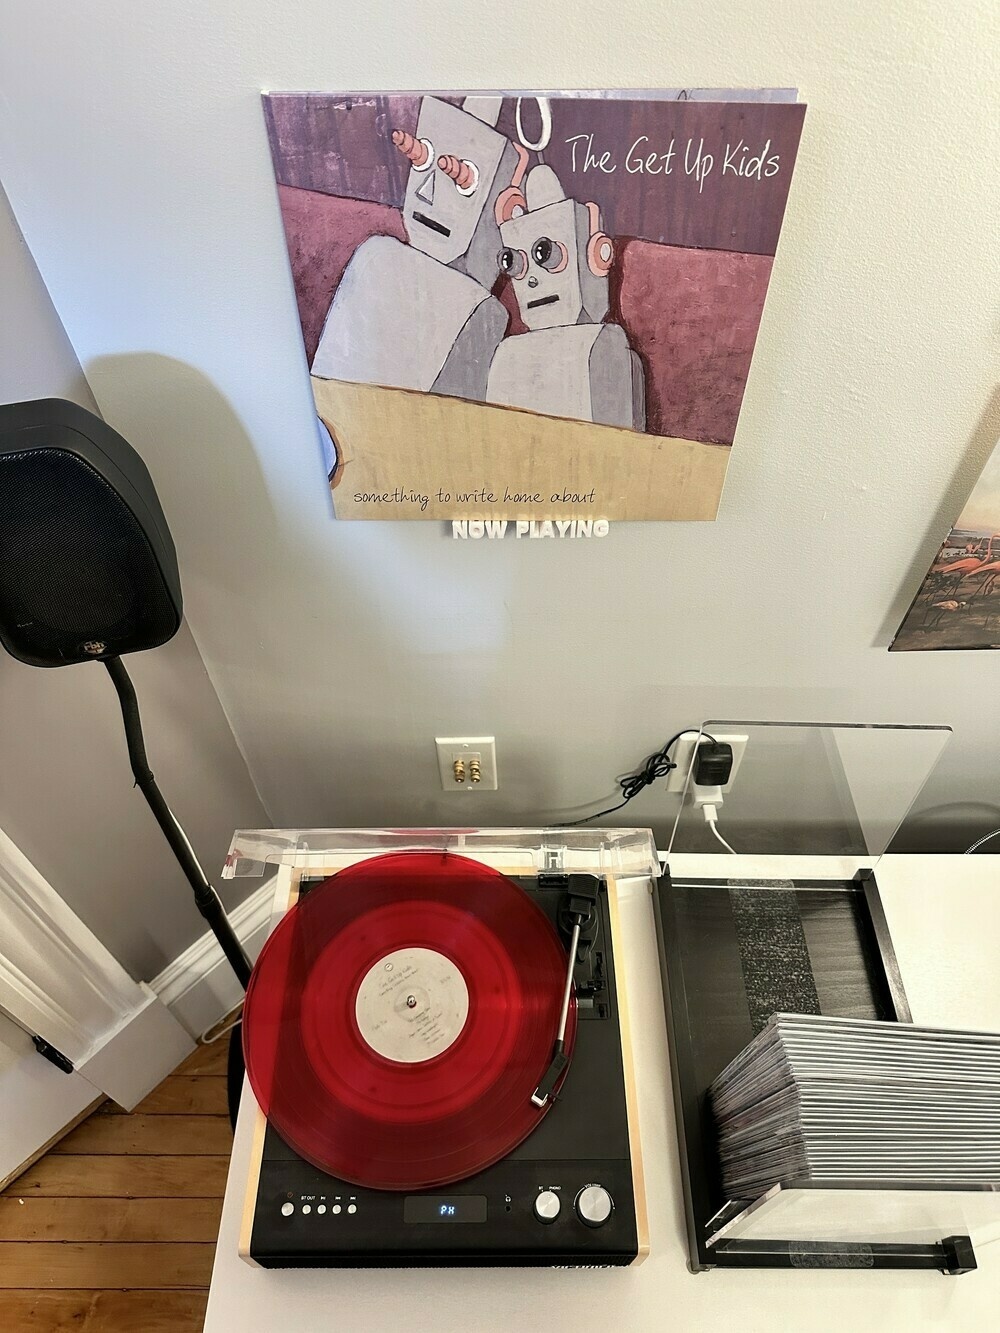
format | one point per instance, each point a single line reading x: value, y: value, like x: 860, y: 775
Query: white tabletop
x: 944, y: 917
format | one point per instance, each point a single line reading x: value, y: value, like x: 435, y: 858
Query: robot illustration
x: 569, y: 363
x: 420, y: 315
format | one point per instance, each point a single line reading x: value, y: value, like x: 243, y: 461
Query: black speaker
x: 87, y: 565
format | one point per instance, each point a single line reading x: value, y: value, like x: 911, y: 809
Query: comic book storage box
x: 735, y: 950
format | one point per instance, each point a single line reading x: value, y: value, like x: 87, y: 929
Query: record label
x: 412, y: 1005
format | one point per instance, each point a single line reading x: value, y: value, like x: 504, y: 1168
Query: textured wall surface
x: 66, y: 793
x: 134, y: 151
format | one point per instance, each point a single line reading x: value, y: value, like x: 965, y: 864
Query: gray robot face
x: 545, y: 255
x: 453, y: 167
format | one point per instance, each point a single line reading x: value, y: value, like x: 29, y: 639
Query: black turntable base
x: 564, y: 1195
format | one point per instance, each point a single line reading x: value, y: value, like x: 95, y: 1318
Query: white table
x: 944, y: 918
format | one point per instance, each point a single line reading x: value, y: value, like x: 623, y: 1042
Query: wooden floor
x: 113, y: 1230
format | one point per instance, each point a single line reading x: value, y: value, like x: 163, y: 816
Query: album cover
x: 536, y: 306
x: 958, y: 603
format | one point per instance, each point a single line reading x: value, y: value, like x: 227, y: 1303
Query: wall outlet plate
x: 467, y: 748
x: 683, y: 756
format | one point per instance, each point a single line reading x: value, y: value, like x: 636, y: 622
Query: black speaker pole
x: 206, y: 898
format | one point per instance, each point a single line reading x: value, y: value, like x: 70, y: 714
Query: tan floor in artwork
x: 402, y: 453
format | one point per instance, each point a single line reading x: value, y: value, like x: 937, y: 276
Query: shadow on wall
x: 203, y: 465
x: 326, y: 638
x: 319, y: 636
x: 949, y: 827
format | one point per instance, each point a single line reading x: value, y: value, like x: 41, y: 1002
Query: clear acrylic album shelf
x: 813, y: 788
x: 734, y: 950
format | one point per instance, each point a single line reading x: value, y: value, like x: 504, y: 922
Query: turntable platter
x: 400, y: 1017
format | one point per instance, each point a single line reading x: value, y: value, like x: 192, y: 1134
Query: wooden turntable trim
x: 250, y: 1198
x: 631, y: 1100
x: 285, y: 895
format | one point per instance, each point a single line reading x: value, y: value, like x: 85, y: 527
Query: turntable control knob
x: 594, y: 1205
x: 287, y: 1209
x: 547, y: 1205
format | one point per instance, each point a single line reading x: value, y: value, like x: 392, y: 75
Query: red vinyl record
x: 400, y: 1017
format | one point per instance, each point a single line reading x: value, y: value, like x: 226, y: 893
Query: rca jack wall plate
x: 467, y: 763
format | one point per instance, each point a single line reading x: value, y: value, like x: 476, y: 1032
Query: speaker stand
x: 207, y: 900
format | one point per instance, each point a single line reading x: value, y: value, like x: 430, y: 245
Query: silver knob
x: 594, y: 1205
x: 287, y: 1209
x: 547, y: 1205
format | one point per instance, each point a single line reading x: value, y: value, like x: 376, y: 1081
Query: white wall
x: 66, y: 792
x: 134, y: 152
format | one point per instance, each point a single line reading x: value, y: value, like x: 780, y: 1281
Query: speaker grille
x: 76, y: 567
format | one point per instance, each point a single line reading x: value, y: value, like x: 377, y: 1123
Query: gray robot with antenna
x: 569, y: 363
x: 420, y: 315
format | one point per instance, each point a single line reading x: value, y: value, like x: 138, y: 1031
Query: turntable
x: 436, y: 1033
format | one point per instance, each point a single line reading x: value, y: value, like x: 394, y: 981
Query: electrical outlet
x: 683, y: 756
x: 467, y: 763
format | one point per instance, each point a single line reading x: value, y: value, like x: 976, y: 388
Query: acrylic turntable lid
x: 597, y: 851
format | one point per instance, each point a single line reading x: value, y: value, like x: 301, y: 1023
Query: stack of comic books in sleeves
x: 822, y: 1100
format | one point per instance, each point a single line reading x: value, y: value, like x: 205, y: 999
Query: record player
x: 436, y: 1034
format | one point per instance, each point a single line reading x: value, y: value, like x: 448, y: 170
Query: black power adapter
x: 713, y: 764
x: 713, y: 767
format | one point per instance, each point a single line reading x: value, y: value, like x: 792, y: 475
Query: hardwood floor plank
x: 109, y: 1220
x: 77, y: 1120
x: 181, y: 1094
x: 103, y: 1311
x: 154, y: 1135
x: 114, y: 1229
x: 37, y: 1264
x: 72, y: 1177
x: 207, y: 1060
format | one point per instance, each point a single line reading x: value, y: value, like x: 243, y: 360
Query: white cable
x: 986, y: 837
x: 236, y: 1015
x: 712, y: 825
x: 709, y: 808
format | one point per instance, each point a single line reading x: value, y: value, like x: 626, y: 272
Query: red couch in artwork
x: 695, y: 342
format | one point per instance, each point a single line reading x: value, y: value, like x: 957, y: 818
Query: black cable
x: 658, y: 765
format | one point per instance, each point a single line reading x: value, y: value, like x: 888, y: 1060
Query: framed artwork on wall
x: 531, y: 306
x: 958, y: 603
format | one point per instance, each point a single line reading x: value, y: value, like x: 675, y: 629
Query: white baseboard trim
x: 57, y: 980
x: 199, y: 987
x: 139, y: 1055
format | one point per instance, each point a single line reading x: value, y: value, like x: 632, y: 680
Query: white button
x: 547, y: 1205
x: 307, y: 1207
x: 321, y: 1209
x: 352, y: 1207
x: 335, y: 1209
x: 287, y: 1209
